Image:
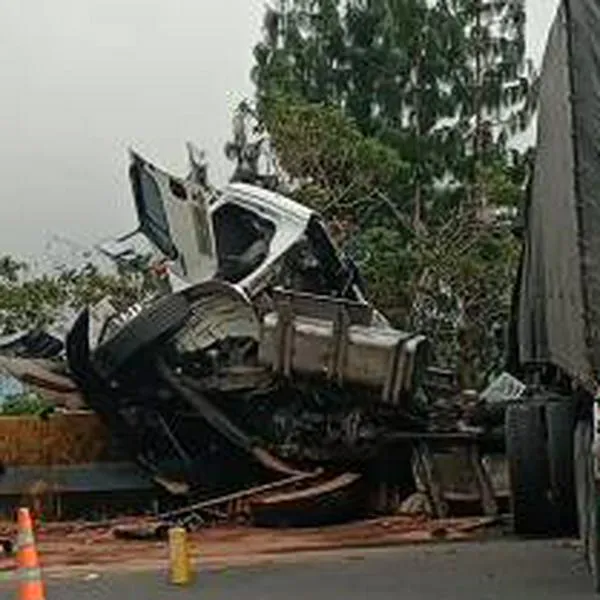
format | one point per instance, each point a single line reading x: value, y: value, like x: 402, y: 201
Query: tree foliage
x: 444, y: 83
x: 335, y: 166
x: 393, y: 118
x: 452, y: 281
x: 28, y: 302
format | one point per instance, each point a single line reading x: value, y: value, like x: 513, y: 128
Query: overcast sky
x: 82, y: 80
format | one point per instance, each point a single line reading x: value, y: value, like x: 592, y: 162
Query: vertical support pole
x: 484, y: 482
x: 339, y: 349
x: 430, y: 478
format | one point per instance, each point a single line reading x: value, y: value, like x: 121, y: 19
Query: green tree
x: 394, y: 117
x: 303, y: 51
x: 10, y: 269
x: 444, y: 83
x: 399, y: 63
x: 36, y: 301
x: 374, y: 60
x: 337, y: 170
x: 493, y: 85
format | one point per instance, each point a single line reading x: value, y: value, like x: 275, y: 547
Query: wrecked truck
x: 265, y: 360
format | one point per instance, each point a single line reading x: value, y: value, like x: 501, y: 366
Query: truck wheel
x: 593, y: 539
x: 581, y: 441
x: 528, y: 468
x: 589, y: 500
x: 560, y: 446
x: 165, y: 315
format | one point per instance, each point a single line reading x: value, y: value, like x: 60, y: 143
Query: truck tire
x: 587, y: 497
x: 160, y: 318
x: 593, y: 539
x: 560, y: 419
x: 581, y: 440
x: 528, y: 468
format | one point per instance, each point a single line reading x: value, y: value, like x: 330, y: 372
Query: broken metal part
x: 322, y: 307
x: 142, y: 534
x: 212, y: 415
x: 242, y: 378
x: 174, y: 214
x: 31, y: 344
x: 218, y: 312
x: 505, y: 388
x: 194, y: 511
x: 332, y: 499
x: 294, y: 341
x: 224, y: 426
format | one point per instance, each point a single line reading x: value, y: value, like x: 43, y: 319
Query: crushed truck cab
x: 242, y: 234
x: 266, y: 350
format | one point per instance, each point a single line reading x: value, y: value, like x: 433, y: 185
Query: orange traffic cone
x: 29, y: 573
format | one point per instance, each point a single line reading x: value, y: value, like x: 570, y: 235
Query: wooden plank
x: 242, y: 494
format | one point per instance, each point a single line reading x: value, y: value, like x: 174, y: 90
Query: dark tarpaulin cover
x: 558, y: 294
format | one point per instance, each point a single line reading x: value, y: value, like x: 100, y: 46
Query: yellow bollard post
x: 180, y: 565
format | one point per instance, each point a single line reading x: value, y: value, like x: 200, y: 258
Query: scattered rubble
x: 66, y: 547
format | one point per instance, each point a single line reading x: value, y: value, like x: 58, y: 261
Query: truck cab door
x: 173, y: 213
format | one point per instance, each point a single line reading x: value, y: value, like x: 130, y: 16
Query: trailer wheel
x: 592, y: 520
x: 528, y: 468
x: 560, y: 446
x: 163, y: 316
x: 587, y: 497
x: 581, y: 440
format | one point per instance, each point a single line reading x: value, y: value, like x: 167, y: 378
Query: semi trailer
x: 552, y: 432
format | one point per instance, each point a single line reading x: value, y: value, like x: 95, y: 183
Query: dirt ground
x: 65, y: 546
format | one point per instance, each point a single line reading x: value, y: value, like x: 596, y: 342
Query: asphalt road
x: 494, y: 569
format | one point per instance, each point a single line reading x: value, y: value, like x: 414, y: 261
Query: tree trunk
x: 417, y: 208
x: 478, y: 108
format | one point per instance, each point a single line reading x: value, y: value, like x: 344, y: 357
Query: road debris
x: 63, y: 547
